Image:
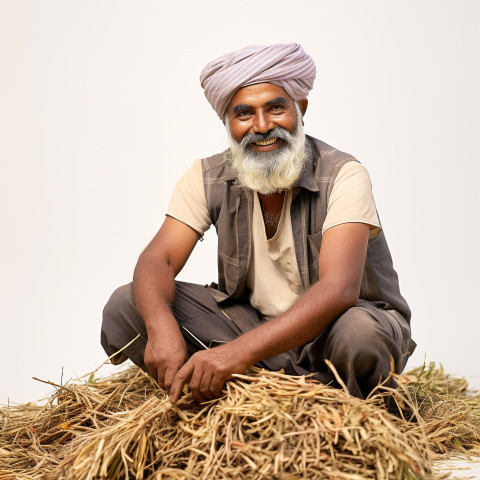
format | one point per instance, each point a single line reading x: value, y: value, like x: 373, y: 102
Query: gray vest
x: 231, y: 208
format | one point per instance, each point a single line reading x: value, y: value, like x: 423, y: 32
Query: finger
x: 204, y: 387
x: 195, y: 383
x: 152, y: 371
x: 216, y: 386
x: 161, y: 376
x: 199, y: 397
x: 179, y: 380
x: 170, y: 373
x: 197, y: 394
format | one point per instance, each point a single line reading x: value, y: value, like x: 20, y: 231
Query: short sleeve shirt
x: 273, y: 277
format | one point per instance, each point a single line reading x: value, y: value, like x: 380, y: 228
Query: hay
x: 266, y: 426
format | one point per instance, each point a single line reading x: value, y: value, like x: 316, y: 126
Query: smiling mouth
x: 264, y: 143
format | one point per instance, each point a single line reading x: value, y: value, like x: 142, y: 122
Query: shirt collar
x: 306, y: 178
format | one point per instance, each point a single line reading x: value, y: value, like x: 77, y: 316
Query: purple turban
x: 284, y: 64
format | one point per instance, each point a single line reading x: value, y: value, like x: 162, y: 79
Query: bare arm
x: 341, y: 262
x: 154, y: 292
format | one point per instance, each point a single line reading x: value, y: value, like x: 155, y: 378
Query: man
x: 304, y: 271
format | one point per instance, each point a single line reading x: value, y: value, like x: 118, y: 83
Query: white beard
x: 273, y: 171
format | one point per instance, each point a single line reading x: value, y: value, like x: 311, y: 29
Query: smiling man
x: 304, y: 270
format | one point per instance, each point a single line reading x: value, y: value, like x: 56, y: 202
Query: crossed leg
x: 361, y: 343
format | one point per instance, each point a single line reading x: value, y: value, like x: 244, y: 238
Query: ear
x: 303, y: 105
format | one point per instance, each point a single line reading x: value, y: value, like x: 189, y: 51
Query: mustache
x: 278, y: 132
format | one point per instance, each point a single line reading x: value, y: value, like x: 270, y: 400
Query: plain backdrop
x: 101, y: 111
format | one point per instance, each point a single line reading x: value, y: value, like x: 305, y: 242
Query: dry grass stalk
x: 266, y: 426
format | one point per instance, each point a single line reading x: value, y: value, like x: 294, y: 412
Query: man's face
x: 258, y: 109
x: 266, y: 138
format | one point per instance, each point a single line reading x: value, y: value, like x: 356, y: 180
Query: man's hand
x: 165, y: 355
x: 207, y: 371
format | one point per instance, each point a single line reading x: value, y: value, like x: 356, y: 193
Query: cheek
x: 238, y: 131
x: 290, y: 123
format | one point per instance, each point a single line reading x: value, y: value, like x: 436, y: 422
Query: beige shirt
x: 273, y: 275
x: 273, y: 266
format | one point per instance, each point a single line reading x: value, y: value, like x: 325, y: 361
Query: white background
x: 101, y: 111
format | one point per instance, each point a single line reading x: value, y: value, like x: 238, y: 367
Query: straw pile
x: 265, y: 426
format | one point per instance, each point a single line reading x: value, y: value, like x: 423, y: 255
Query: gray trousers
x: 360, y: 343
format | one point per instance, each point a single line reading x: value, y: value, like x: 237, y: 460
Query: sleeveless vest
x: 231, y: 208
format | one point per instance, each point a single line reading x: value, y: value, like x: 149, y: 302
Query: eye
x: 243, y: 114
x: 277, y: 108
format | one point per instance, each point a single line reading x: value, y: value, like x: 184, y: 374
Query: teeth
x: 262, y: 143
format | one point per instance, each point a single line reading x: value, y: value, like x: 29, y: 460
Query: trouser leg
x: 121, y: 324
x: 361, y: 344
x: 201, y: 321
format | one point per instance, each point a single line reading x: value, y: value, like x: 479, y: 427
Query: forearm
x: 154, y: 292
x: 303, y: 321
x: 341, y: 263
x: 207, y: 370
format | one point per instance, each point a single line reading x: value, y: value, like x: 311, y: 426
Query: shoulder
x: 214, y: 161
x: 328, y: 153
x: 352, y: 169
x: 352, y: 177
x: 327, y: 160
x: 187, y: 202
x: 215, y: 169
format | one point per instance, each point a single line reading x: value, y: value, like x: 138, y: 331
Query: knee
x: 358, y: 339
x: 122, y: 323
x: 118, y: 304
x: 361, y: 350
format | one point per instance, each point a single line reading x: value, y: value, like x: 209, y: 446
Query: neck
x: 272, y: 206
x: 272, y: 202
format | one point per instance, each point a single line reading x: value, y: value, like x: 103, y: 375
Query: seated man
x: 304, y: 270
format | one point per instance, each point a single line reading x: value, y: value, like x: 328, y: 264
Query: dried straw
x: 266, y: 426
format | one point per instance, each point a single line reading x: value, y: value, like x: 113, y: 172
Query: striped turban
x: 283, y: 64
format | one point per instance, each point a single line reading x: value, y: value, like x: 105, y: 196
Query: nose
x: 262, y: 123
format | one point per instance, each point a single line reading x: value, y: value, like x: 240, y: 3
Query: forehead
x: 258, y: 95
